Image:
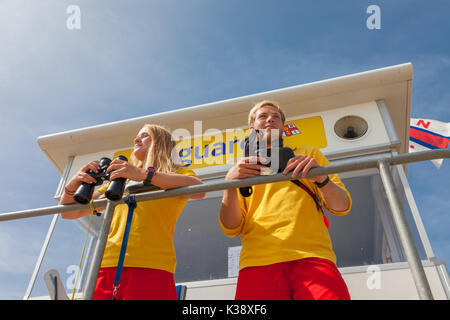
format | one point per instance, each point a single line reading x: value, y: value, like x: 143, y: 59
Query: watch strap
x: 150, y: 173
x: 323, y: 183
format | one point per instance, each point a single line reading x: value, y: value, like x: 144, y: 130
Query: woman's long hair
x: 160, y: 151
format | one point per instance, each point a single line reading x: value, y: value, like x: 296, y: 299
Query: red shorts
x: 136, y: 284
x: 305, y: 279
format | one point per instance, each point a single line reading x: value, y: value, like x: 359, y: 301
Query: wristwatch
x: 323, y: 183
x: 150, y: 173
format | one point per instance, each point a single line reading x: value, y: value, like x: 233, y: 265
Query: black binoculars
x: 115, y: 189
x: 255, y: 146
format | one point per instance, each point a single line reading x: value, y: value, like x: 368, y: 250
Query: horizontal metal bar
x: 31, y: 213
x: 350, y: 165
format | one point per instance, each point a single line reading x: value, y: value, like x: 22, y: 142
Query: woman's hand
x: 72, y: 186
x: 82, y: 176
x: 124, y: 169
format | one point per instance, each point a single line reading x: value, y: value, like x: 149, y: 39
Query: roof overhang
x: 392, y: 84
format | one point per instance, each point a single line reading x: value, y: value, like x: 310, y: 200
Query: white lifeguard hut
x: 350, y: 118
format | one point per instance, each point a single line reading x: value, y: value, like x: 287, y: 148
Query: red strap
x: 301, y: 185
x: 247, y: 191
x: 326, y: 221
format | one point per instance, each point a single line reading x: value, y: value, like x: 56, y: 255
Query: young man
x: 286, y: 248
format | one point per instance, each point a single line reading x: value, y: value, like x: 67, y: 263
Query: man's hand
x: 304, y: 164
x: 246, y: 167
x: 335, y: 197
x: 230, y: 213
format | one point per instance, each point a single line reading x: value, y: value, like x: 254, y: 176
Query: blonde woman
x: 150, y: 257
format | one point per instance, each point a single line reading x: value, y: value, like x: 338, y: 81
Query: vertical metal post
x: 412, y: 255
x: 37, y: 267
x: 44, y: 248
x: 99, y: 250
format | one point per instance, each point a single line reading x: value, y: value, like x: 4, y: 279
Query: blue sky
x: 134, y: 58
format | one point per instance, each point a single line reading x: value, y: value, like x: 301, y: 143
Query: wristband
x: 150, y: 173
x: 322, y: 184
x: 68, y: 192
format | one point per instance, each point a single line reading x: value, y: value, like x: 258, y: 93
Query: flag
x: 290, y: 130
x: 427, y: 134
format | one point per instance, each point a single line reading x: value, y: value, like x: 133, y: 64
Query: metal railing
x: 383, y: 165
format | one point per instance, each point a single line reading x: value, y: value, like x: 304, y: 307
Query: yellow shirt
x: 281, y: 221
x: 150, y: 243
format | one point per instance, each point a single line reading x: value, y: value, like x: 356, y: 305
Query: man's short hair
x: 258, y: 105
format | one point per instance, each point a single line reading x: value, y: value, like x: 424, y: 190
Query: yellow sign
x: 220, y: 147
x: 126, y: 153
x: 310, y: 132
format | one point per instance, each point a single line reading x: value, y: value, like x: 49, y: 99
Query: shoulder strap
x: 316, y: 200
x: 131, y: 202
x: 301, y: 185
x: 247, y: 191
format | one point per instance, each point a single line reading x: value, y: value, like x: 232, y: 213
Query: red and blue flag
x: 427, y: 134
